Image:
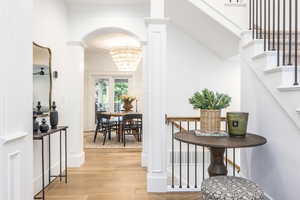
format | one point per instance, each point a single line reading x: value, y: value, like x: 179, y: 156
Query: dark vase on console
x: 53, y: 116
x: 38, y: 107
x: 35, y: 125
x: 44, y: 127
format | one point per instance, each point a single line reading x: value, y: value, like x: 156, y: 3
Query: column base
x: 157, y: 182
x: 76, y: 160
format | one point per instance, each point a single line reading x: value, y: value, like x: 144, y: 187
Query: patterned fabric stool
x: 230, y: 188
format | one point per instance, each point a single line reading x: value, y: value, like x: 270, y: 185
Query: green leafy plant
x: 210, y: 100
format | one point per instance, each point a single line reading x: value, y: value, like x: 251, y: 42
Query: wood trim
x: 174, y: 119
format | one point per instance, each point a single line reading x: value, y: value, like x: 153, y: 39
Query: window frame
x: 111, y: 86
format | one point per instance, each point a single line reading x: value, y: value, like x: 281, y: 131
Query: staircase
x: 271, y: 49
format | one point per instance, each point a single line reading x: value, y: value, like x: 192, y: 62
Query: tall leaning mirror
x: 42, y: 80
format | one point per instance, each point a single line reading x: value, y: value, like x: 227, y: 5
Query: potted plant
x: 210, y: 104
x: 127, y: 102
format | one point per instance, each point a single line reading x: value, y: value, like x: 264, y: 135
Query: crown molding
x: 157, y: 21
x: 77, y: 43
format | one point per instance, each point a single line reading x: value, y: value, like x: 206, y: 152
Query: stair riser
x: 254, y: 48
x: 288, y: 78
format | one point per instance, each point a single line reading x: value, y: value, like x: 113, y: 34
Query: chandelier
x: 126, y: 58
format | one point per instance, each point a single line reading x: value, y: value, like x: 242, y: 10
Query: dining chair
x: 132, y: 125
x: 105, y: 126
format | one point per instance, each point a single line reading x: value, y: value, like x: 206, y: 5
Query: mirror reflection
x: 41, y: 79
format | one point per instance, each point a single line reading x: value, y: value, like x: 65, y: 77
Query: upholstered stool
x: 230, y: 188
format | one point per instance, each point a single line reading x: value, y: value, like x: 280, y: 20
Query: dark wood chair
x: 105, y: 126
x: 132, y: 124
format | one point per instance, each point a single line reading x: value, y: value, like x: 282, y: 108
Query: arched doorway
x: 105, y: 82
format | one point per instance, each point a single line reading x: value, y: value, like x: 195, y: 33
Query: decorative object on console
x: 38, y: 107
x: 210, y: 104
x: 35, y: 124
x: 237, y: 123
x: 127, y: 102
x: 53, y: 116
x: 44, y: 127
x: 55, y: 74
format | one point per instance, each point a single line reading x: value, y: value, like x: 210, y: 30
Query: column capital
x: 77, y: 43
x: 151, y: 20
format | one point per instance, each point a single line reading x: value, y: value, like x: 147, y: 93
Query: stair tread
x: 289, y: 88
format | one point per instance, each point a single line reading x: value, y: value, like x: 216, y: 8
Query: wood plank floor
x: 110, y: 175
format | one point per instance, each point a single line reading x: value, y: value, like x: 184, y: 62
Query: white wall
x: 16, y: 100
x: 237, y: 14
x: 192, y: 67
x: 99, y: 63
x: 50, y: 29
x: 274, y: 166
x: 87, y: 18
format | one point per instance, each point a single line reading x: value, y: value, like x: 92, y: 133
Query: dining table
x: 119, y: 115
x: 218, y: 145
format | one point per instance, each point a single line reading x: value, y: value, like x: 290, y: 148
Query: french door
x: 108, y: 92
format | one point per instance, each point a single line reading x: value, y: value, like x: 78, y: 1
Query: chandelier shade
x: 126, y: 58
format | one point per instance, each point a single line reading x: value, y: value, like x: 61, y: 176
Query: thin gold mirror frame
x: 50, y: 70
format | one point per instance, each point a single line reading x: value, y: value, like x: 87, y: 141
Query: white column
x: 145, y: 108
x: 74, y: 103
x: 156, y: 99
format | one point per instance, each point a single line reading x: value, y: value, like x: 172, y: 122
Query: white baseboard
x: 37, y: 181
x: 144, y: 159
x: 76, y: 160
x: 157, y: 183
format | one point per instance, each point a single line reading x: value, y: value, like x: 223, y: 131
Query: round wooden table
x: 217, y: 146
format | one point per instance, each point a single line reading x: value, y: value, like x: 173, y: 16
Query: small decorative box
x: 215, y: 134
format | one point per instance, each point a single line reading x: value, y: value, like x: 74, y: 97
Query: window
x: 102, y: 95
x: 108, y: 92
x: 120, y: 88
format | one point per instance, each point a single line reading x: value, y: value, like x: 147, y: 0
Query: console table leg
x: 60, y: 173
x: 217, y: 166
x: 49, y: 170
x: 66, y: 158
x: 43, y: 170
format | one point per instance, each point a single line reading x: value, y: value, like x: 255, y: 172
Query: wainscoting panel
x: 14, y: 176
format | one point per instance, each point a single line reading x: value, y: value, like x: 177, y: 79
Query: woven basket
x: 210, y: 121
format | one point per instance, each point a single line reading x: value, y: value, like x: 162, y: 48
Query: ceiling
x: 108, y: 2
x: 111, y: 40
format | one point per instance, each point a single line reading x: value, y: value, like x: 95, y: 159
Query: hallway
x: 109, y: 175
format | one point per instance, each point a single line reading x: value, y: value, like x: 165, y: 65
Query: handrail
x: 175, y: 119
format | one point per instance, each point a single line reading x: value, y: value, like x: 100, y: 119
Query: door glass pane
x: 121, y: 88
x: 102, y: 95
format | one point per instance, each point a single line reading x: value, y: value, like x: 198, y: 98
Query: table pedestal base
x: 217, y: 166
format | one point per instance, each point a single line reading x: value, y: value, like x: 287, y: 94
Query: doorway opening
x: 113, y: 102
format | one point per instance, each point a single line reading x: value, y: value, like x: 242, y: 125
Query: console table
x: 40, y: 137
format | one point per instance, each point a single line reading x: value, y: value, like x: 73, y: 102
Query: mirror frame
x: 50, y: 70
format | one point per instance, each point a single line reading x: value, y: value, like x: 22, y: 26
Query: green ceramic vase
x: 237, y: 123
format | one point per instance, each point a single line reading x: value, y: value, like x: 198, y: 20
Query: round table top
x: 250, y: 140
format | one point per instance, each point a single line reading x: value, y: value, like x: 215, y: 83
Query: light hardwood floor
x: 110, y: 175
